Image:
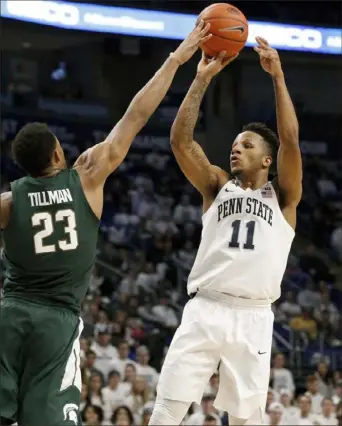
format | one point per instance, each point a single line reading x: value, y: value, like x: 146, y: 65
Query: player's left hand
x: 269, y: 58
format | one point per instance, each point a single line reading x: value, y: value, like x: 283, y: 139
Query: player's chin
x: 235, y: 170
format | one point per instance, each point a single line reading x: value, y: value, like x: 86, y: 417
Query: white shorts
x: 224, y: 333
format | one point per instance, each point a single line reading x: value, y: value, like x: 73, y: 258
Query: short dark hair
x: 33, y: 147
x: 268, y: 135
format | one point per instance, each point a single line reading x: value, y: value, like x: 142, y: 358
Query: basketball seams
x: 229, y: 39
x: 225, y: 18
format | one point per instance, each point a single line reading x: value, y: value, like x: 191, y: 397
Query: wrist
x: 174, y: 58
x: 279, y: 77
x: 203, y: 77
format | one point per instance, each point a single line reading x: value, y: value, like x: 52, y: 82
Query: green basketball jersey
x: 50, y: 241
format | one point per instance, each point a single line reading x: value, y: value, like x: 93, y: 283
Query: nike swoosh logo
x: 227, y: 190
x: 261, y: 353
x: 237, y: 28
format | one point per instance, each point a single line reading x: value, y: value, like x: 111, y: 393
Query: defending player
x: 50, y: 221
x: 248, y: 228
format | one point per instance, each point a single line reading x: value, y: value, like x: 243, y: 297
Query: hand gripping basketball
x: 190, y: 45
x: 209, y: 67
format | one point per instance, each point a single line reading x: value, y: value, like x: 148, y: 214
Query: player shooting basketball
x: 248, y: 229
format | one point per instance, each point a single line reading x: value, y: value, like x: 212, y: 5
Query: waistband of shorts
x: 232, y: 300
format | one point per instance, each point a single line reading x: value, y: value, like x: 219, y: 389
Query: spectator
x: 327, y: 306
x: 309, y: 298
x: 147, y: 413
x: 325, y: 328
x: 105, y: 352
x: 315, y: 396
x: 207, y: 408
x: 166, y: 314
x: 92, y: 416
x: 128, y: 285
x: 122, y: 416
x: 306, y: 324
x: 337, y: 393
x: 324, y: 379
x: 282, y: 377
x: 289, y: 308
x: 328, y: 417
x: 289, y: 410
x: 147, y: 280
x: 304, y: 416
x: 137, y: 398
x: 95, y: 282
x: 129, y: 377
x: 84, y: 397
x: 275, y: 415
x: 113, y: 394
x: 102, y: 324
x: 120, y: 363
x: 95, y: 392
x: 144, y: 369
x: 88, y: 368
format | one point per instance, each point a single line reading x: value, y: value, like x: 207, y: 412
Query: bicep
x: 290, y: 173
x: 104, y: 158
x: 196, y: 167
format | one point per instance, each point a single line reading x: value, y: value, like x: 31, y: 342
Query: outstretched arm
x: 289, y: 162
x: 190, y: 156
x: 104, y: 158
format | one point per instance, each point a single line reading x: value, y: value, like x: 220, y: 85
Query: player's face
x: 249, y: 154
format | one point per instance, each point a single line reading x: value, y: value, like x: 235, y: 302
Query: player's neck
x: 255, y: 182
x: 50, y: 172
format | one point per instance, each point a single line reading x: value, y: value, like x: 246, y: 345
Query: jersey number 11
x: 234, y: 242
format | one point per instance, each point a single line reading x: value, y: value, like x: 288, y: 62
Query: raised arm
x: 190, y: 156
x: 289, y: 162
x: 101, y: 160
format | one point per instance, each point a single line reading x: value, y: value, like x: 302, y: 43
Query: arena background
x: 77, y: 66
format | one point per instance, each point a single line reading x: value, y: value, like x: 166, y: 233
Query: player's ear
x: 267, y: 161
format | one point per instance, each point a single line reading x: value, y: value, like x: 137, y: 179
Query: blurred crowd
x: 150, y: 231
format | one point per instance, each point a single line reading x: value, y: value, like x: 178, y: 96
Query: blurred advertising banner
x: 167, y: 25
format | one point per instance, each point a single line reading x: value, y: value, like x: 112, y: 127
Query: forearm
x: 150, y: 96
x: 184, y: 125
x: 140, y: 109
x: 287, y: 123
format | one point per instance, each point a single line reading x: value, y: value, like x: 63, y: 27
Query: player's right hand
x: 209, y: 67
x: 189, y: 46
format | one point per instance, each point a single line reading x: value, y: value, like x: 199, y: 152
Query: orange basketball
x: 228, y: 26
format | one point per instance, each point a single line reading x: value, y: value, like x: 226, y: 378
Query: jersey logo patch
x: 266, y: 192
x: 70, y: 413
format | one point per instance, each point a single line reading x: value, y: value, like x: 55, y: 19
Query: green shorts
x: 40, y: 378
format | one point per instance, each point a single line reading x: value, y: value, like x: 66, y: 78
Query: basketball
x: 229, y: 29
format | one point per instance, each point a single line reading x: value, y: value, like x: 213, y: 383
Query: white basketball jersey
x: 244, y: 246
